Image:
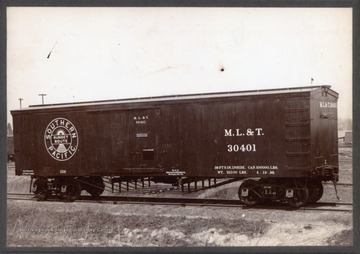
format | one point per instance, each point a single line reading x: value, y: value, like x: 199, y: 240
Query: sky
x: 91, y: 53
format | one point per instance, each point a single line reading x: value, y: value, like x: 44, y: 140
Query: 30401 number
x: 241, y: 148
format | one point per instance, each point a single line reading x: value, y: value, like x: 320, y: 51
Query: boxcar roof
x: 181, y: 97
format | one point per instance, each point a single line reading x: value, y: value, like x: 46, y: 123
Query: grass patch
x: 35, y: 226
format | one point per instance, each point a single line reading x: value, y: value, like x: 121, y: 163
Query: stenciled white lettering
x: 328, y: 104
x: 243, y: 132
x: 242, y: 148
x: 228, y: 132
x: 61, y: 139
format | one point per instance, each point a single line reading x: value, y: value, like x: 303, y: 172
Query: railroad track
x: 20, y: 196
x: 338, y: 184
x: 320, y: 206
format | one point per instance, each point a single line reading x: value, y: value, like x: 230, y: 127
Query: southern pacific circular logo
x: 61, y: 139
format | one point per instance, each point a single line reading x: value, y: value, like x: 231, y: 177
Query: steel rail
x: 320, y: 206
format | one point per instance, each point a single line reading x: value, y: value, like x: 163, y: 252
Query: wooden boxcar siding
x: 324, y: 134
x: 105, y: 141
x: 26, y: 140
x: 180, y: 137
x: 30, y: 150
x: 206, y: 145
x: 297, y: 129
x: 170, y: 149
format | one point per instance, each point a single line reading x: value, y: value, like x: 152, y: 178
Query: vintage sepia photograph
x: 179, y: 127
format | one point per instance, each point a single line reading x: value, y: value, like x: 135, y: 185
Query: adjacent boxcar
x: 285, y: 137
x: 10, y: 148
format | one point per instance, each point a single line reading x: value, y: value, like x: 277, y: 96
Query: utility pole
x: 42, y: 97
x: 20, y: 99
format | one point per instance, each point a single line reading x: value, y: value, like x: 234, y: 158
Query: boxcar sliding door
x: 144, y: 140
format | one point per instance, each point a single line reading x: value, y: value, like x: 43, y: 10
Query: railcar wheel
x: 316, y: 190
x: 95, y: 186
x: 248, y: 193
x: 300, y: 195
x: 73, y: 190
x: 41, y: 191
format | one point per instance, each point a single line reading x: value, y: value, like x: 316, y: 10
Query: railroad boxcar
x: 10, y: 148
x: 285, y: 140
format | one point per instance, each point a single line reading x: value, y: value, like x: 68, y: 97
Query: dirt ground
x: 80, y: 224
x: 45, y: 224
